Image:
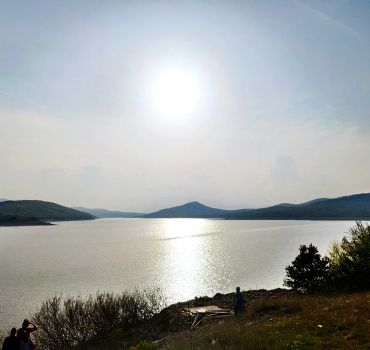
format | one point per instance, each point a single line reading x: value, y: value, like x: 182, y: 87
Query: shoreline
x: 28, y: 222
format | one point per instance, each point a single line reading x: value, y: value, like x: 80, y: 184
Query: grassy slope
x: 294, y: 322
x: 273, y: 320
x: 41, y: 210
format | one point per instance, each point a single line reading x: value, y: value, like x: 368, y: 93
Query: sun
x: 175, y: 93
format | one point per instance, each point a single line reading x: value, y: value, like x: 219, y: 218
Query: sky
x: 141, y: 105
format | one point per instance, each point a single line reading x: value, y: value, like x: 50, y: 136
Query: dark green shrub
x: 308, y: 272
x: 350, y: 260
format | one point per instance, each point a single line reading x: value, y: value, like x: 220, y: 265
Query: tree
x: 350, y: 259
x: 308, y: 272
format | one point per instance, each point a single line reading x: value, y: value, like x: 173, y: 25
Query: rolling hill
x: 353, y: 207
x: 189, y: 210
x: 104, y: 213
x: 41, y: 210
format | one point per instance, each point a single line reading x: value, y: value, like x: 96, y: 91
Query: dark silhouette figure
x: 24, y: 335
x: 11, y: 342
x: 238, y: 302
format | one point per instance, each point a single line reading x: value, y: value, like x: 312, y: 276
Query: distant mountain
x: 354, y: 207
x: 104, y: 213
x: 41, y: 210
x: 3, y: 200
x: 305, y: 203
x: 188, y: 210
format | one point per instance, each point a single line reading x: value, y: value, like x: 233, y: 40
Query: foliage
x: 350, y: 259
x: 69, y: 322
x: 308, y: 271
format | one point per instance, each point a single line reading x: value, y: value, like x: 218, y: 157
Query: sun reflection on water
x: 186, y: 248
x: 185, y: 228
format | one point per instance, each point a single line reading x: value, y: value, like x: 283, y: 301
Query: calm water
x: 183, y: 257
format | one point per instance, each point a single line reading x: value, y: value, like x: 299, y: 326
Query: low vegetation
x: 274, y: 320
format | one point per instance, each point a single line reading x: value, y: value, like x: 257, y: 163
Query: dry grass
x: 293, y: 322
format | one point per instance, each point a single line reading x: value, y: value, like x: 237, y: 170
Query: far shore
x: 25, y: 222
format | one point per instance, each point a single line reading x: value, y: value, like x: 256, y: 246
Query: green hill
x: 41, y: 210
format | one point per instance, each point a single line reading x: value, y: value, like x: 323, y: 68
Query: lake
x: 183, y: 257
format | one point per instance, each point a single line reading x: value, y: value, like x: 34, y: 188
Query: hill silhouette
x: 353, y: 207
x: 104, y: 213
x: 188, y: 210
x: 41, y: 210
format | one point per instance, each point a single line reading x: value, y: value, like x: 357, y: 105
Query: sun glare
x: 175, y: 93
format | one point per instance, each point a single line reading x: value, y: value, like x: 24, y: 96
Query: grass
x: 289, y: 322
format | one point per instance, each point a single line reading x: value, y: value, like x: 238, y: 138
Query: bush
x: 69, y: 322
x: 308, y: 272
x: 350, y: 260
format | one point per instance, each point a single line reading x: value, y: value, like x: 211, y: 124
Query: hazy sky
x: 269, y: 102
